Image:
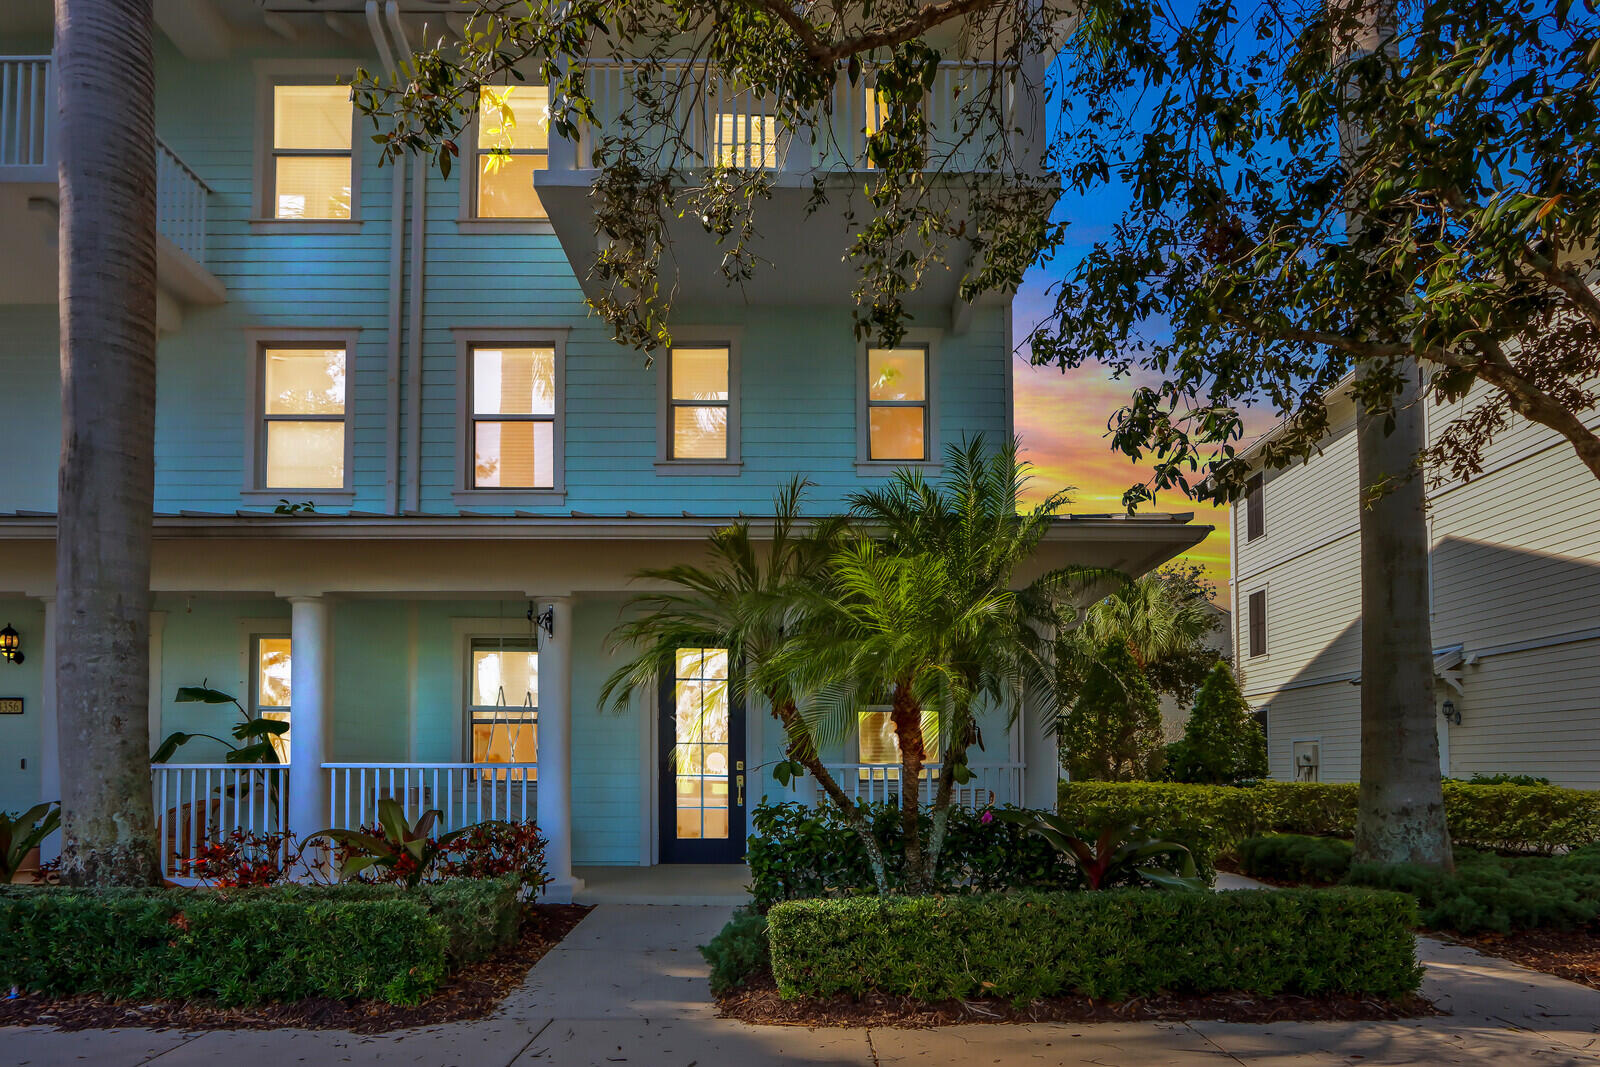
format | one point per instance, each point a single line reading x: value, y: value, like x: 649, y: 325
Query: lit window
x: 311, y: 151
x: 513, y: 418
x: 897, y: 403
x: 878, y: 743
x: 503, y: 704
x: 303, y: 418
x: 700, y: 742
x: 513, y: 142
x: 270, y: 688
x: 698, y: 401
x: 747, y: 141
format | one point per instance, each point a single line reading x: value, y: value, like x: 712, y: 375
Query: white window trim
x: 699, y: 337
x: 255, y: 444
x: 467, y: 218
x: 470, y: 337
x: 463, y: 631
x: 274, y: 72
x: 929, y: 340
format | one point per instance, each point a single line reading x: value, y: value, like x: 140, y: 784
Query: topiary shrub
x: 1295, y: 858
x: 1112, y: 945
x: 1112, y: 732
x: 738, y: 951
x: 1222, y: 742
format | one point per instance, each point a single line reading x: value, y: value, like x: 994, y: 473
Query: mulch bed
x: 1570, y: 954
x: 759, y: 1002
x: 470, y: 994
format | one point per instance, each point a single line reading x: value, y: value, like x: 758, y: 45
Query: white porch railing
x: 201, y: 803
x: 724, y: 123
x: 465, y: 793
x: 28, y: 152
x: 991, y: 784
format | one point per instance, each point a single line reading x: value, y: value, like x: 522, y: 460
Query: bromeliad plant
x: 1121, y: 855
x: 393, y: 850
x: 21, y: 834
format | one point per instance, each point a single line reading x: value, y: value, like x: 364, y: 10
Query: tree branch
x: 1536, y: 405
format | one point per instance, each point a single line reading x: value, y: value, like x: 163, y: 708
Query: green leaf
x: 189, y: 694
x: 174, y: 741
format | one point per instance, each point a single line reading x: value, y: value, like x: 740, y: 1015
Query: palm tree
x: 1161, y: 618
x: 921, y: 607
x: 743, y: 600
x: 105, y: 77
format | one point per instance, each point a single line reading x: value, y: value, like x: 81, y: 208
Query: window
x: 312, y: 159
x: 269, y: 685
x: 302, y: 438
x: 1257, y: 618
x: 513, y: 417
x: 897, y: 403
x: 700, y: 753
x: 503, y: 703
x: 746, y: 140
x: 513, y: 142
x: 1255, y: 519
x: 698, y: 402
x: 877, y: 743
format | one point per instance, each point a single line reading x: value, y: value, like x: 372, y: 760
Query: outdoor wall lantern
x: 545, y: 620
x: 1451, y: 712
x: 11, y: 644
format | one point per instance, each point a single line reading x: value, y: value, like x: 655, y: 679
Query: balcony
x: 720, y: 123
x: 29, y: 196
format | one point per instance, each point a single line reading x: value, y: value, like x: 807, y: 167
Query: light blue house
x: 412, y: 356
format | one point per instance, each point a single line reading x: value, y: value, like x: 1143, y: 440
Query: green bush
x: 738, y: 951
x: 1112, y: 731
x: 796, y: 851
x: 1504, y: 778
x: 282, y: 943
x: 1112, y: 945
x: 1295, y: 858
x: 1214, y: 819
x: 1222, y: 742
x: 1498, y: 893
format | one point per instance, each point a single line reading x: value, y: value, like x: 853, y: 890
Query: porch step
x: 669, y: 883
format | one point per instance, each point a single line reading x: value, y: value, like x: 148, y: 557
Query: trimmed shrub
x: 796, y: 851
x: 245, y: 946
x: 1213, y: 819
x: 1112, y: 732
x: 1295, y: 858
x: 1111, y: 945
x: 1222, y: 742
x: 738, y: 951
x: 1498, y: 893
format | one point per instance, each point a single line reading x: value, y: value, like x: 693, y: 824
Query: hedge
x: 1211, y: 819
x: 282, y: 943
x: 1108, y: 945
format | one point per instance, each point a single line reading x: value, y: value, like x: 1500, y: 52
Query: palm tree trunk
x: 906, y: 714
x: 800, y: 749
x: 1400, y: 813
x: 106, y: 96
x: 954, y: 756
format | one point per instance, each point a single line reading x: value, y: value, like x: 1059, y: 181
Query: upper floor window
x: 1256, y: 619
x: 699, y: 400
x: 513, y: 141
x: 513, y: 417
x: 302, y: 440
x: 1255, y: 518
x: 310, y: 173
x: 897, y: 403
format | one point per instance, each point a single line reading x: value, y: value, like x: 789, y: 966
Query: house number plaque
x: 10, y: 705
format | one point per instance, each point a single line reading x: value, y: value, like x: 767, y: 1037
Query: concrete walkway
x: 628, y: 987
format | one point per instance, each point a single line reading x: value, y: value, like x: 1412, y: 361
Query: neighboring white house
x: 1515, y: 590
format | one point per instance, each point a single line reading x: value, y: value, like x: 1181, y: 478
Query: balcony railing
x: 202, y: 803
x: 28, y: 152
x: 970, y: 109
x: 992, y: 784
x: 464, y: 793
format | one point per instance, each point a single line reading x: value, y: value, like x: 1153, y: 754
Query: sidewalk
x: 628, y: 986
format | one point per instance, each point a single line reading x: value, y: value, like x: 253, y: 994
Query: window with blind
x: 1255, y: 516
x: 1256, y: 617
x: 698, y: 401
x: 897, y: 403
x: 503, y: 704
x: 269, y: 685
x: 303, y: 413
x: 878, y: 743
x: 513, y: 416
x: 312, y: 158
x: 513, y: 142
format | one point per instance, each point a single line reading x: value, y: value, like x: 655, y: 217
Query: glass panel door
x: 702, y: 765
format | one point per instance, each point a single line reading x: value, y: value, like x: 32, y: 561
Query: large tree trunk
x: 106, y: 97
x: 800, y: 748
x: 1400, y: 814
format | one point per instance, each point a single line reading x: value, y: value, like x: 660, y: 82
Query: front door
x: 701, y: 761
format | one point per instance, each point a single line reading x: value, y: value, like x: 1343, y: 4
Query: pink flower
x: 986, y: 818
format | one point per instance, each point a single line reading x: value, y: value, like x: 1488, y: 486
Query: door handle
x: 739, y: 779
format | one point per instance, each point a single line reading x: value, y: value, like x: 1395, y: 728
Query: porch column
x: 555, y: 748
x: 1041, y: 761
x: 49, y: 730
x: 308, y: 734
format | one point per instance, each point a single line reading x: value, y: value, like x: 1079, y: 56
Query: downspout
x: 397, y: 238
x: 419, y: 213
